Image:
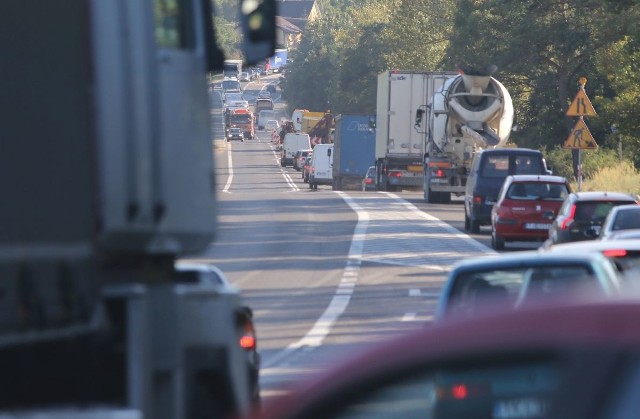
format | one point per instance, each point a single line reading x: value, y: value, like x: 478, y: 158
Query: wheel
x: 282, y: 163
x: 474, y: 226
x: 445, y: 198
x: 467, y: 222
x: 496, y: 242
x: 430, y: 197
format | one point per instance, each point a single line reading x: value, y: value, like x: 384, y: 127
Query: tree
x: 542, y: 48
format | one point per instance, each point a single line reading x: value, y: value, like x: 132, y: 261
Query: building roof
x: 295, y: 11
x: 286, y: 26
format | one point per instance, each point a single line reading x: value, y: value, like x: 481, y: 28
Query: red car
x: 526, y: 207
x: 579, y: 360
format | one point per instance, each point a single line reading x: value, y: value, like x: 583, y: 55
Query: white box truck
x: 400, y: 148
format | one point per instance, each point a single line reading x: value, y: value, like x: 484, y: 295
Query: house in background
x: 293, y: 16
x: 288, y: 35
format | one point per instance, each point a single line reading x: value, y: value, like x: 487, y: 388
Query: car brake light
x: 368, y: 181
x: 248, y: 342
x: 477, y: 199
x: 615, y: 253
x: 569, y: 220
x: 438, y: 173
x: 395, y: 174
x: 459, y: 391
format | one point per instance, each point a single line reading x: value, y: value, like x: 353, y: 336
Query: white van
x: 321, y: 166
x: 293, y: 142
x: 264, y: 116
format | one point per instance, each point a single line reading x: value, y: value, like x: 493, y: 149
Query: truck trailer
x: 354, y: 150
x: 400, y: 148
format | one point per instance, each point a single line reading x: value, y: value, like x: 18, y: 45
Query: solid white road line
x: 342, y: 297
x: 230, y: 178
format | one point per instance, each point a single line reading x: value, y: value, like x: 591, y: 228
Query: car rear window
x: 498, y: 166
x: 508, y: 288
x: 537, y: 190
x: 627, y: 219
x: 595, y: 210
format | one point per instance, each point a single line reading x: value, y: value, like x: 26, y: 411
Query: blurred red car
x: 526, y: 207
x: 579, y: 360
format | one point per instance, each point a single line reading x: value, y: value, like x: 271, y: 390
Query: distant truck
x: 400, y: 148
x: 232, y: 68
x: 354, y: 150
x: 242, y: 118
x: 277, y: 61
x: 470, y: 111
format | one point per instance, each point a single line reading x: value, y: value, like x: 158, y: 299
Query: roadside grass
x: 622, y: 177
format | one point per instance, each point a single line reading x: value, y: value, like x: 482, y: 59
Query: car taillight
x: 395, y: 174
x: 459, y: 391
x: 248, y: 342
x: 569, y: 220
x: 368, y: 181
x: 437, y: 173
x: 615, y: 253
x: 477, y: 199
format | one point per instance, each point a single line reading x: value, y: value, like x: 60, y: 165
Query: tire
x: 496, y: 242
x: 467, y: 222
x: 445, y: 198
x: 282, y: 163
x: 430, y: 197
x: 474, y: 226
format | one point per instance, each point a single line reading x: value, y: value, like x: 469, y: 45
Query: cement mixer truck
x: 471, y: 111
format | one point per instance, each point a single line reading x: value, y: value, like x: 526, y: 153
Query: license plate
x: 537, y: 226
x: 414, y: 168
x: 521, y: 408
x: 489, y: 202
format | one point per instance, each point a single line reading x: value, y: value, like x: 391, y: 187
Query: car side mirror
x: 419, y: 115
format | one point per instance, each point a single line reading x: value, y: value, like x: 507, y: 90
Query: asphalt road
x: 326, y: 273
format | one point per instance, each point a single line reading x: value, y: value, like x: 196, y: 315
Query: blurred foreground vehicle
x: 583, y: 213
x: 96, y: 320
x: 577, y: 360
x: 210, y: 274
x: 625, y: 253
x: 510, y: 281
x: 526, y: 207
x: 621, y: 218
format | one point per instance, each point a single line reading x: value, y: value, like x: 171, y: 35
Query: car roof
x: 509, y: 150
x: 528, y: 258
x: 603, y: 195
x: 549, y: 329
x: 594, y: 245
x: 537, y: 178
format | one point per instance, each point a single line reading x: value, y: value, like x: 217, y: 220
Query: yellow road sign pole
x: 583, y: 81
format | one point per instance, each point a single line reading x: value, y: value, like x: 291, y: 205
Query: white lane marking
x: 455, y: 233
x: 341, y: 299
x: 408, y: 317
x: 417, y: 293
x: 230, y: 178
x: 290, y: 181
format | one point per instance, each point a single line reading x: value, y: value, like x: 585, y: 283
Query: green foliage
x: 593, y: 161
x: 622, y: 177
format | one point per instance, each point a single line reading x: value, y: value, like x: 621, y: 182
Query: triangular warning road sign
x: 581, y: 106
x: 580, y: 138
